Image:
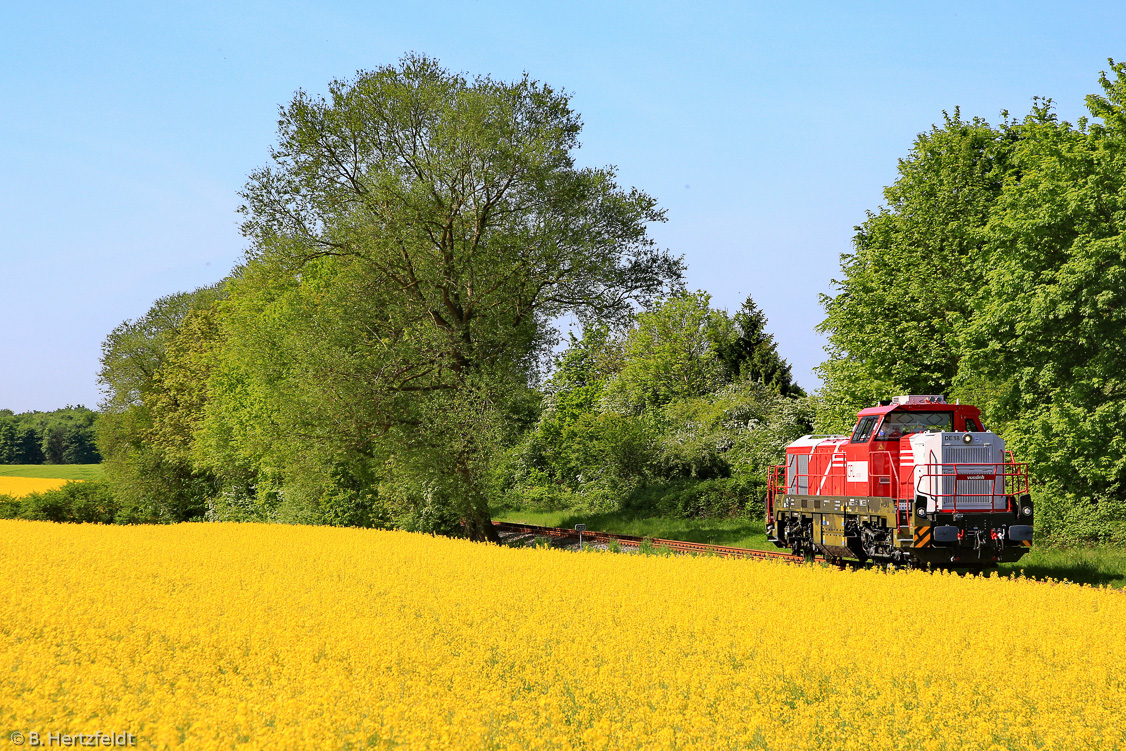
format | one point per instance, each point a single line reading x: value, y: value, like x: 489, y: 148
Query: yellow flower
x: 255, y: 636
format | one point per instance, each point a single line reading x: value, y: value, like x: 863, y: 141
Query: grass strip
x: 1094, y: 565
x: 739, y: 533
x: 53, y: 471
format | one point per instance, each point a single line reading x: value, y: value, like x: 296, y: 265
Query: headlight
x: 1026, y: 510
x: 967, y: 438
x: 922, y: 512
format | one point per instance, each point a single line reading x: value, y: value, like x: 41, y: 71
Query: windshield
x: 863, y: 430
x: 898, y: 424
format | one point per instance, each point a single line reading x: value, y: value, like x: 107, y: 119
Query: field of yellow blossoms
x: 253, y: 636
x: 21, y: 486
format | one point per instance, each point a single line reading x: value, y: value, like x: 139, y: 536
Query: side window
x: 864, y: 429
x: 972, y: 426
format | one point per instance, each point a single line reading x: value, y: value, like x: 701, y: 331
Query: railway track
x: 679, y: 546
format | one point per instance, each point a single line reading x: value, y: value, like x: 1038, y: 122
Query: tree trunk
x: 479, y: 525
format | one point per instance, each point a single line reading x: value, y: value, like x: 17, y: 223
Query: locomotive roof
x: 883, y: 409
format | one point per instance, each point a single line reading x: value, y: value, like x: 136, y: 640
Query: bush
x: 549, y: 497
x: 92, y: 501
x: 242, y: 502
x: 9, y: 507
x: 1063, y: 519
x: 686, y: 498
x: 346, y: 507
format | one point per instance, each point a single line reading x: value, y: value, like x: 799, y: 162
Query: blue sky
x: 765, y: 130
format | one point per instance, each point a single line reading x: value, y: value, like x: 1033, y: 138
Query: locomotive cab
x: 917, y: 481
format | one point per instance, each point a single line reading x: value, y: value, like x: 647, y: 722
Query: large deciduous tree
x: 997, y: 273
x: 411, y: 244
x: 144, y: 460
x: 916, y: 268
x: 1049, y: 336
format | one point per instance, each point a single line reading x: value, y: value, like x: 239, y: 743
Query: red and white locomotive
x: 919, y: 481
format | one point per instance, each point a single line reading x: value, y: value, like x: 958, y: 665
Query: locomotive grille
x: 972, y: 494
x: 797, y: 473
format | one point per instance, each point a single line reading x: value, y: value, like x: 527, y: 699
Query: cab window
x: 972, y: 426
x: 898, y: 424
x: 864, y: 428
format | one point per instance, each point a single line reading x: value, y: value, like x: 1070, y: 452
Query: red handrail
x: 893, y: 477
x: 772, y: 486
x: 1014, y: 475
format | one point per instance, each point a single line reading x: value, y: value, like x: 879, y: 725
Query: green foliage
x: 178, y: 391
x: 646, y: 547
x: 752, y: 353
x: 741, y: 428
x: 9, y: 506
x: 148, y: 391
x: 1066, y: 519
x: 373, y: 362
x: 997, y: 273
x: 64, y: 436
x: 617, y: 431
x: 915, y: 272
x: 411, y: 244
x: 670, y: 353
x: 134, y: 351
x: 689, y: 498
x: 82, y: 502
x: 1054, y: 304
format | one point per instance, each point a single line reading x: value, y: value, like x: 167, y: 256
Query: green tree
x: 8, y: 445
x: 672, y: 352
x: 915, y: 272
x: 152, y: 478
x: 79, y: 445
x: 752, y: 353
x: 414, y: 239
x: 582, y: 371
x: 680, y: 416
x: 29, y: 445
x: 997, y: 273
x: 1048, y: 337
x: 53, y: 442
x: 62, y: 436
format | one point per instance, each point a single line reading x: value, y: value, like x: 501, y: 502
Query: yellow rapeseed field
x: 252, y: 636
x: 21, y: 486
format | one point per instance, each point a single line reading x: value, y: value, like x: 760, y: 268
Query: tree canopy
x: 996, y: 273
x: 411, y: 245
x: 679, y: 414
x: 64, y: 436
x: 145, y: 460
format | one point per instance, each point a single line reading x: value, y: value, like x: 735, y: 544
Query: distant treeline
x: 64, y: 436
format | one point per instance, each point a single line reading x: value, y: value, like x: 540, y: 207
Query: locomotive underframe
x: 898, y: 531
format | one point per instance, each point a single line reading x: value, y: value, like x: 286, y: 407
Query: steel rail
x: 635, y: 541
